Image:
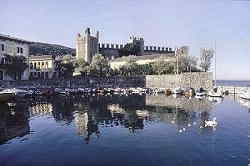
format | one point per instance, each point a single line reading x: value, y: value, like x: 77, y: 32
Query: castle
x: 87, y: 46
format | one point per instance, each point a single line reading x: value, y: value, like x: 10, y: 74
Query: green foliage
x: 14, y: 65
x: 65, y: 67
x: 163, y: 67
x: 99, y: 66
x: 187, y: 63
x: 82, y: 67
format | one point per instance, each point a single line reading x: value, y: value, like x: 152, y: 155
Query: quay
x: 233, y: 89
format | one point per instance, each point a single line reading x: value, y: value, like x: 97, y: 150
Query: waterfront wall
x: 234, y: 89
x: 194, y: 80
x: 80, y: 82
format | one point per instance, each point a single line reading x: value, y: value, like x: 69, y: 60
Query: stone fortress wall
x: 194, y: 80
x: 146, y: 48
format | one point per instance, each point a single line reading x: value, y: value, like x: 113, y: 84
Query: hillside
x: 37, y: 48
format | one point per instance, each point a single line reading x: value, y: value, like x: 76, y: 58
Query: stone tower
x: 87, y: 45
x: 139, y: 42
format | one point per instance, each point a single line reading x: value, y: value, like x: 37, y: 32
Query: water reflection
x: 91, y: 114
x: 14, y: 121
x: 245, y: 103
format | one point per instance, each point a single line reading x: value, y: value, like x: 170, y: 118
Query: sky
x: 170, y: 23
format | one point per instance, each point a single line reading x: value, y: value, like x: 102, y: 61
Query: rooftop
x: 7, y: 37
x: 43, y: 57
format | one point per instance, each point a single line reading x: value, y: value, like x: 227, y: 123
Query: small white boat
x: 60, y: 91
x: 211, y: 123
x: 245, y: 95
x: 215, y: 92
x: 200, y: 92
x: 7, y: 94
x: 178, y: 91
x: 14, y: 92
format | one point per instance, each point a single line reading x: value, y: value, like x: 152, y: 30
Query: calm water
x: 129, y: 130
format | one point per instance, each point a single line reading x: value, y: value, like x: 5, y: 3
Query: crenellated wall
x: 146, y: 48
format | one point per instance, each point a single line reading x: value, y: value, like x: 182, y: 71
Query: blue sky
x: 197, y: 23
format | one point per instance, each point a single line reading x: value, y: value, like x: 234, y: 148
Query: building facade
x: 10, y: 46
x: 87, y: 45
x: 42, y: 67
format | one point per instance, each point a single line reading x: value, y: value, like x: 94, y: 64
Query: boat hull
x: 5, y: 97
x: 246, y: 97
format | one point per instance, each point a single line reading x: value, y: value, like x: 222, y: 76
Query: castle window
x: 18, y: 50
x: 21, y: 50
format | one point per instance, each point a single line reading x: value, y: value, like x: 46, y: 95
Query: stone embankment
x: 194, y: 80
x: 185, y: 80
x: 234, y: 89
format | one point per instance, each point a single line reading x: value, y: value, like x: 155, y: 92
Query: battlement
x: 146, y: 48
x: 157, y: 49
x: 111, y: 46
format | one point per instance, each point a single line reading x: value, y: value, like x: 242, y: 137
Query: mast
x: 215, y: 72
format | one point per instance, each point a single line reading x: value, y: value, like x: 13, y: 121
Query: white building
x: 42, y: 67
x: 13, y: 47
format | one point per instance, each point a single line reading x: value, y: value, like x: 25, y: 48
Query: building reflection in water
x: 120, y: 112
x: 90, y: 114
x: 41, y: 109
x: 14, y: 122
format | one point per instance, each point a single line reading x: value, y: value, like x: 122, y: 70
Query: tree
x: 99, y: 66
x: 162, y: 67
x: 206, y: 58
x: 14, y: 66
x: 187, y: 63
x: 82, y: 66
x: 65, y: 67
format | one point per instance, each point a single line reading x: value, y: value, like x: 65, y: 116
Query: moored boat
x: 200, y: 93
x: 245, y: 95
x: 8, y: 94
x: 178, y: 91
x: 215, y: 92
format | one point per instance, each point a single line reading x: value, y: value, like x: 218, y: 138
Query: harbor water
x: 125, y: 130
